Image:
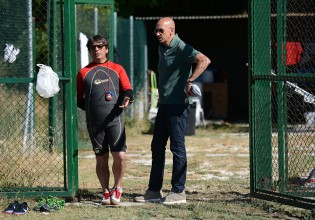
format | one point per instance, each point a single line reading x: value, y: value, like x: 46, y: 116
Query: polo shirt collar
x: 174, y: 41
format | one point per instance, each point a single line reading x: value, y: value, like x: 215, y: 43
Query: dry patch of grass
x: 217, y: 182
x: 26, y: 170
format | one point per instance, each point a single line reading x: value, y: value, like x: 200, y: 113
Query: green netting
x: 132, y: 49
x: 282, y: 84
x: 15, y: 27
x: 92, y: 19
x: 38, y: 135
x: 130, y: 52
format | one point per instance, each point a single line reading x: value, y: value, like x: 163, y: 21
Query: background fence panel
x: 38, y: 147
x: 282, y: 89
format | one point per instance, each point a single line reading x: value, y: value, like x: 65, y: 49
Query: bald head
x: 165, y: 30
x: 166, y: 22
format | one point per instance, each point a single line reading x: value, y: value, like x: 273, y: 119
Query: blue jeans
x: 170, y: 123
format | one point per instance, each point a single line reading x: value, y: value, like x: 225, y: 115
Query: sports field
x: 217, y: 183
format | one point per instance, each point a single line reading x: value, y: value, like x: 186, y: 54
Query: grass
x: 217, y: 182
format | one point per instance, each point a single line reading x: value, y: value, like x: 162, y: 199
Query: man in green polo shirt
x: 175, y: 87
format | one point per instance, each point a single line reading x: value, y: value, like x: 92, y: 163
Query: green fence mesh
x: 129, y: 51
x: 91, y: 19
x: 282, y: 84
x: 14, y: 35
x: 37, y: 134
x: 34, y: 132
x: 131, y: 45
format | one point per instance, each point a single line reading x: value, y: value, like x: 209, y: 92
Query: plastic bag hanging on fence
x: 10, y: 53
x: 47, y: 81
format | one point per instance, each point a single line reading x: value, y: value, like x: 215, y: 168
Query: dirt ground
x: 217, y: 187
x: 218, y: 171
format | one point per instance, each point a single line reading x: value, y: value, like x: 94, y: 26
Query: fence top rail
x: 216, y: 17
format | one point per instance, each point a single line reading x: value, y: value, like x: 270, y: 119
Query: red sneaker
x: 115, y: 195
x: 311, y: 180
x: 106, y: 198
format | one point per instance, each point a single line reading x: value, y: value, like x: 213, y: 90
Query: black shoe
x: 38, y: 207
x: 48, y: 208
x: 10, y: 209
x: 45, y: 208
x: 21, y: 209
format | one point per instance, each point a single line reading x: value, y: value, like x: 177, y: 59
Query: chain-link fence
x: 133, y: 55
x: 91, y: 19
x: 127, y: 39
x: 282, y: 88
x: 38, y: 139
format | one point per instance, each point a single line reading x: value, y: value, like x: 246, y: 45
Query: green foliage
x: 41, y: 39
x: 53, y: 203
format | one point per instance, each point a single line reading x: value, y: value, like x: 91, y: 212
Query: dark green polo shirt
x: 175, y: 66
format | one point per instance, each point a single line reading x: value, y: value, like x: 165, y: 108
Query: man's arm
x: 202, y: 62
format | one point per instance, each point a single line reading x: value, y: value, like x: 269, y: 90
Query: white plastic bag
x: 47, y: 81
x: 196, y: 92
x: 10, y: 53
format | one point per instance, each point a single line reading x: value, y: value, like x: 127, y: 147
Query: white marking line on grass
x: 135, y: 155
x: 211, y: 176
x: 225, y: 155
x: 87, y: 156
x: 225, y: 175
x: 217, y: 155
x: 143, y: 162
x: 236, y: 134
x: 148, y: 162
x: 243, y: 155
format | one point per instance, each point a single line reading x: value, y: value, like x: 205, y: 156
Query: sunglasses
x: 159, y: 30
x: 99, y: 46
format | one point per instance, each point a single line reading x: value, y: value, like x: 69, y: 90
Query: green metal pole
x: 70, y: 95
x: 111, y: 30
x: 52, y: 61
x: 261, y: 146
x: 282, y: 101
x: 251, y: 101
